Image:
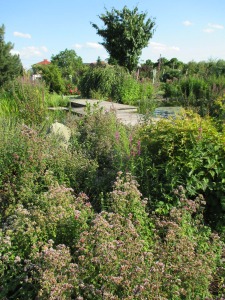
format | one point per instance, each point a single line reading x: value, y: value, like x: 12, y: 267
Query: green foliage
x: 55, y: 100
x: 114, y: 83
x: 57, y: 217
x: 74, y: 224
x: 186, y: 151
x: 8, y: 105
x: 70, y: 65
x: 26, y: 99
x: 24, y: 164
x: 128, y: 91
x: 102, y: 138
x: 99, y: 80
x: 125, y: 34
x: 187, y: 252
x: 54, y: 245
x: 10, y: 64
x: 52, y: 77
x: 198, y: 93
x: 127, y: 201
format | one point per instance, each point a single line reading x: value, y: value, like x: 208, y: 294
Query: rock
x: 62, y: 131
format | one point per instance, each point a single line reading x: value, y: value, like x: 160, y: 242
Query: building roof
x: 44, y: 62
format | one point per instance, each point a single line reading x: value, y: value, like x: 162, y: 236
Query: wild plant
x: 179, y: 261
x: 56, y: 215
x: 185, y: 151
x: 187, y: 249
x: 30, y: 99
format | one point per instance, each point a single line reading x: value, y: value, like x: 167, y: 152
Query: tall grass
x: 28, y: 101
x: 8, y: 106
x: 116, y: 84
x: 55, y: 100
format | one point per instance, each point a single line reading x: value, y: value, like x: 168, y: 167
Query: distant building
x: 44, y: 62
x: 36, y: 76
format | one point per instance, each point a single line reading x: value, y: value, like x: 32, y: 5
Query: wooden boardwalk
x: 127, y: 114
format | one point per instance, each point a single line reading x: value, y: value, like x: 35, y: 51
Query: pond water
x: 167, y: 111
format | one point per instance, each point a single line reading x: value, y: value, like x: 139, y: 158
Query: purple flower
x: 139, y: 147
x: 117, y: 136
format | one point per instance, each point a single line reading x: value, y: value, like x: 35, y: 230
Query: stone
x: 62, y: 131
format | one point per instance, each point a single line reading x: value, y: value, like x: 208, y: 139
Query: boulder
x: 62, y: 131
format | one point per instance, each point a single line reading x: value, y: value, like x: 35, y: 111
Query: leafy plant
x: 184, y: 151
x: 10, y: 64
x: 52, y: 77
x: 125, y: 34
x: 114, y: 83
x: 27, y: 98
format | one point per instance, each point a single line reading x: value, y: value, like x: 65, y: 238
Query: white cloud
x: 78, y: 46
x: 216, y: 26
x: 208, y: 30
x: 22, y: 35
x: 159, y: 47
x: 213, y: 27
x: 32, y: 51
x: 174, y: 48
x: 43, y: 48
x: 187, y: 23
x: 94, y: 45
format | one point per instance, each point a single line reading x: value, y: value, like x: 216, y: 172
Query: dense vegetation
x: 125, y: 34
x: 10, y: 64
x: 122, y: 212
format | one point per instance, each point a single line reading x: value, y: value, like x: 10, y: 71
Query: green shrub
x: 23, y: 165
x: 52, y: 77
x: 103, y: 139
x: 186, y: 252
x: 28, y: 100
x: 8, y: 106
x: 186, y: 151
x: 127, y: 91
x: 55, y: 100
x: 56, y: 217
x: 179, y: 261
x: 58, y: 248
x: 97, y: 80
x: 198, y: 93
x: 114, y: 83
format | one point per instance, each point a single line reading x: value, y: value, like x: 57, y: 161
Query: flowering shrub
x: 57, y: 215
x: 180, y: 262
x: 72, y: 90
x: 73, y: 227
x: 187, y: 151
x: 60, y: 249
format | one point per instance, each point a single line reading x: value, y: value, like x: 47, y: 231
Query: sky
x: 190, y: 30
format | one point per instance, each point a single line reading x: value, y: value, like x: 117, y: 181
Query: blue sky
x: 188, y: 30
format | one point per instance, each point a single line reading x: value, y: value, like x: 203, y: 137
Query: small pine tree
x: 10, y: 64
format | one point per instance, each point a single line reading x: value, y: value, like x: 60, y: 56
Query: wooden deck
x: 127, y: 114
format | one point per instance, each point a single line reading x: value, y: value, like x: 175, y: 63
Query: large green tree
x: 69, y: 63
x: 125, y: 34
x: 52, y: 77
x: 10, y: 65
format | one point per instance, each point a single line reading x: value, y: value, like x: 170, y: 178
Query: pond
x: 167, y: 111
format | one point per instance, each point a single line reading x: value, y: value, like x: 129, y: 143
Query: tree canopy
x: 52, y: 77
x: 124, y: 35
x: 10, y: 64
x: 69, y: 64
